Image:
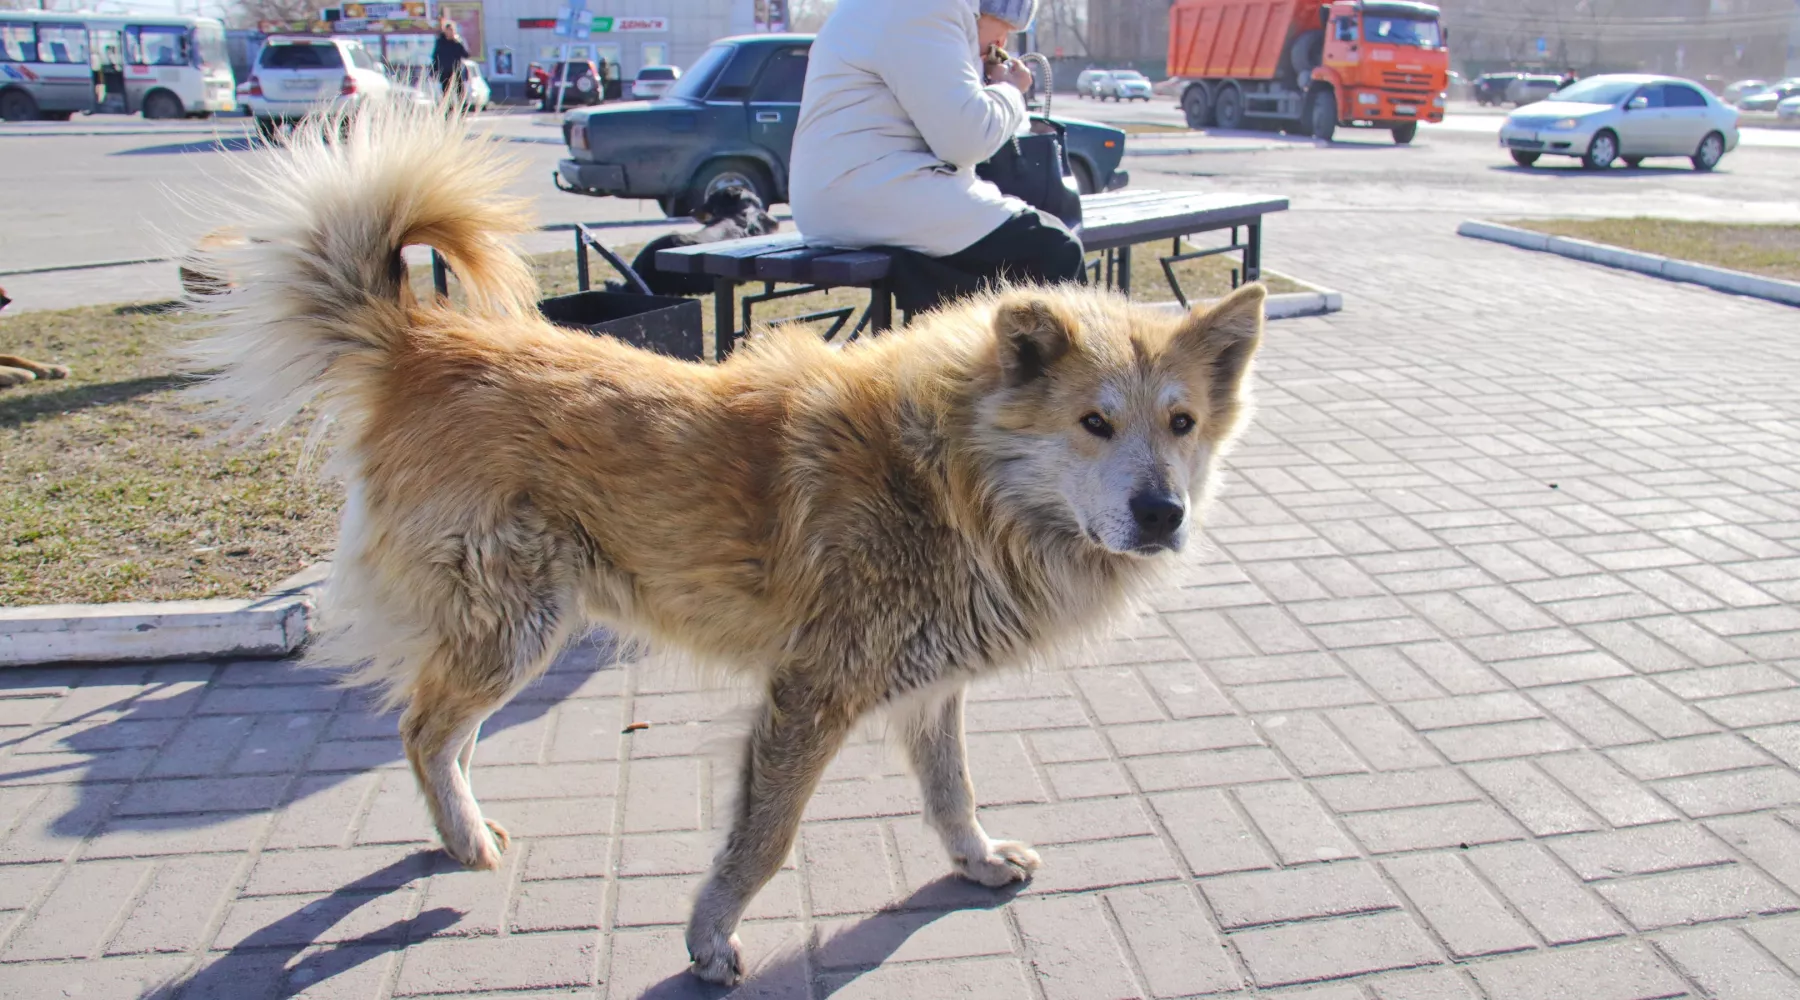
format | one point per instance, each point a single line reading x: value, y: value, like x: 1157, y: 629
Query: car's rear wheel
x: 163, y: 105
x: 1711, y: 151
x: 18, y: 106
x: 721, y: 174
x: 1603, y: 152
x: 1523, y: 158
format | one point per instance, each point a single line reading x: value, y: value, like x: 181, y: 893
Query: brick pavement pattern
x: 1487, y: 687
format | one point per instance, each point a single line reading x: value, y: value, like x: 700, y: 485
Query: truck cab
x: 1384, y: 65
x: 1310, y: 65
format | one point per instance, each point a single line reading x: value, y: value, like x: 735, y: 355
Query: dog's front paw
x: 717, y: 958
x: 55, y: 371
x: 1007, y: 861
x: 482, y: 849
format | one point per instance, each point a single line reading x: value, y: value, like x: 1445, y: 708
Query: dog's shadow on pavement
x: 223, y: 144
x: 846, y: 955
x: 244, y: 970
x: 175, y: 729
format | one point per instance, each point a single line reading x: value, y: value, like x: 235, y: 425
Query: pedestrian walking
x: 447, y: 57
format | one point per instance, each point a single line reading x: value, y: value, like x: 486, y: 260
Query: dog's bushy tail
x: 320, y: 298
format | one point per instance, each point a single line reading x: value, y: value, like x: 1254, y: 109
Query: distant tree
x: 252, y: 11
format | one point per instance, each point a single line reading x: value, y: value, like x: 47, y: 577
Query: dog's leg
x: 934, y: 741
x: 33, y: 367
x: 467, y: 757
x: 10, y: 376
x: 439, y: 730
x: 789, y: 747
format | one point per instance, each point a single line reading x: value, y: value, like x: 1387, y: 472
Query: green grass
x: 114, y: 486
x: 1769, y: 250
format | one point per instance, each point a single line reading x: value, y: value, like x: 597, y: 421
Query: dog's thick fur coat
x: 846, y: 530
x: 17, y: 370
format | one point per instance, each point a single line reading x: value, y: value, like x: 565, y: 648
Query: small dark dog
x: 730, y: 214
x: 15, y: 370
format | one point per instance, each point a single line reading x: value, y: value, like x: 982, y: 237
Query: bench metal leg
x: 1253, y: 253
x: 1125, y: 271
x: 881, y: 308
x: 724, y: 317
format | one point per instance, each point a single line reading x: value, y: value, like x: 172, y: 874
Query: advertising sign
x: 615, y: 25
x: 466, y: 15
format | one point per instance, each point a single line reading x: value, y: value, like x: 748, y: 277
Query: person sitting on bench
x: 898, y: 110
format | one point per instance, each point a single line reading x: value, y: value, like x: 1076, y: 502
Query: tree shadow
x: 260, y: 960
x: 17, y: 411
x: 849, y: 954
x: 223, y: 144
x: 115, y: 741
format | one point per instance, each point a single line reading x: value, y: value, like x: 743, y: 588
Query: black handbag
x: 1035, y: 169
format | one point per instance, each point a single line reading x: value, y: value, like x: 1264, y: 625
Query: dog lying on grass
x: 730, y: 213
x: 846, y: 531
x: 15, y: 370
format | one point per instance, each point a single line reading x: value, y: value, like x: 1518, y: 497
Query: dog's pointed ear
x: 1224, y: 338
x: 1032, y: 336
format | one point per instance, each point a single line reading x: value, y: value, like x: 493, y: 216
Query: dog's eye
x: 1181, y: 423
x: 1096, y: 425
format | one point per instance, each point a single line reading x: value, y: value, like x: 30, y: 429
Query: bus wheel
x: 18, y: 106
x: 162, y: 104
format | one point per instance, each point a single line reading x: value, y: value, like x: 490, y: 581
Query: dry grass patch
x: 1769, y: 250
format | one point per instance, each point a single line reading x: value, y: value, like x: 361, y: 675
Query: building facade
x: 1723, y: 39
x: 630, y: 33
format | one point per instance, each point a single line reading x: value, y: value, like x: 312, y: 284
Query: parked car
x: 1789, y: 109
x: 1736, y: 92
x: 582, y: 86
x: 296, y: 76
x: 1624, y: 116
x: 1531, y: 88
x: 1120, y: 85
x: 654, y: 81
x: 477, y: 95
x: 730, y: 120
x: 1770, y: 98
x: 1490, y: 88
x: 1084, y: 84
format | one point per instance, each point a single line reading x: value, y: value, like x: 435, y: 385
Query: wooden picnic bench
x: 1112, y: 224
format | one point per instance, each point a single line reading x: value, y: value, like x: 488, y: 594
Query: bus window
x: 156, y: 46
x: 18, y: 43
x: 62, y: 43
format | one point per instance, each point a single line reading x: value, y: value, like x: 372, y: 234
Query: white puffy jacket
x: 894, y: 120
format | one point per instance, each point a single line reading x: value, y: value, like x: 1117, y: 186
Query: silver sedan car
x: 1624, y: 116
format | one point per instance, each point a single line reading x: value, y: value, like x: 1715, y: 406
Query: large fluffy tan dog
x: 849, y: 530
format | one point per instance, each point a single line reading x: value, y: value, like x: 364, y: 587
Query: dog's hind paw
x: 720, y: 960
x: 485, y: 848
x: 55, y: 371
x: 1007, y: 861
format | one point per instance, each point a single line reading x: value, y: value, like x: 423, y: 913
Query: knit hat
x: 1018, y: 13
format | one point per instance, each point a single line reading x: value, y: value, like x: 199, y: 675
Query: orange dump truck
x: 1311, y: 64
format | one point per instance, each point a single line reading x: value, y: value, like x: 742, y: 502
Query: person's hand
x: 1014, y: 72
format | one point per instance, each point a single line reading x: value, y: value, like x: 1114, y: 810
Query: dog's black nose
x: 1158, y: 515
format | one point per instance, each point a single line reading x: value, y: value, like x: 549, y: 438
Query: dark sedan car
x: 730, y: 120
x: 1490, y: 88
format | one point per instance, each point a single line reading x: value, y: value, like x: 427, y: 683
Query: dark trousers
x: 1029, y: 248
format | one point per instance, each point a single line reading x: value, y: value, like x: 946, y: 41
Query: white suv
x: 296, y: 76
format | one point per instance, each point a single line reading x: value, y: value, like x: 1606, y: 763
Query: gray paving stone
x: 1331, y: 949
x: 1330, y: 890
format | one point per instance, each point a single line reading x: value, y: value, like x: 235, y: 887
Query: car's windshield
x: 1402, y: 31
x: 302, y: 55
x: 656, y: 73
x: 1128, y: 74
x: 699, y: 78
x: 1598, y: 91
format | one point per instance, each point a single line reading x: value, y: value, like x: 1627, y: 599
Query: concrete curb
x: 1315, y: 301
x: 1717, y: 278
x: 267, y: 627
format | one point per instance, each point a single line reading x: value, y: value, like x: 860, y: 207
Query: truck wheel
x: 1321, y: 115
x: 1197, y: 107
x: 1403, y: 134
x: 1228, y: 110
x: 18, y: 106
